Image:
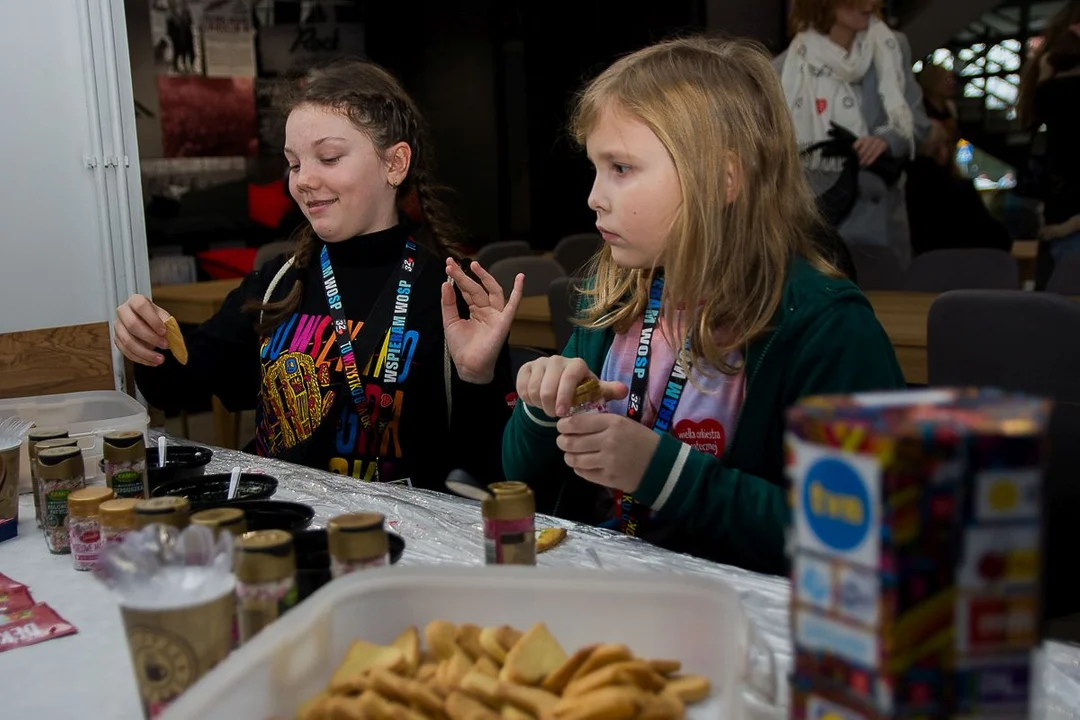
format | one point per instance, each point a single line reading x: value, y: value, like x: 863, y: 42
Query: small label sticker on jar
x: 128, y: 483
x: 510, y: 542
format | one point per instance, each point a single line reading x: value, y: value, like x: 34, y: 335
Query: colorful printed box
x: 915, y: 573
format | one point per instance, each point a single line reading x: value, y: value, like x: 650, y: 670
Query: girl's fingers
x: 576, y: 371
x: 468, y: 286
x: 137, y: 326
x: 494, y: 290
x: 511, y: 308
x: 549, y: 389
x: 522, y: 383
x: 584, y: 462
x: 149, y: 313
x: 450, y: 314
x: 134, y: 349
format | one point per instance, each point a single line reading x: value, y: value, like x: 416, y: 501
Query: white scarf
x: 817, y: 77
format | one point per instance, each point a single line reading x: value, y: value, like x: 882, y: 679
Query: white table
x: 91, y: 672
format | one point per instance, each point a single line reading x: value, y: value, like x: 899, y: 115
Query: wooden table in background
x: 1026, y: 253
x: 902, y: 314
x: 532, y: 324
x: 195, y: 303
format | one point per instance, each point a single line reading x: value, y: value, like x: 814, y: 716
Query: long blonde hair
x: 715, y: 105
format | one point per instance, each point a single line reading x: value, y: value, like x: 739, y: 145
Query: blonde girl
x: 710, y: 311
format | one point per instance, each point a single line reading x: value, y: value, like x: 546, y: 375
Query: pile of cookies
x: 499, y: 673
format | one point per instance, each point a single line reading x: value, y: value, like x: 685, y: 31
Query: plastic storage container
x: 85, y: 415
x: 697, y: 621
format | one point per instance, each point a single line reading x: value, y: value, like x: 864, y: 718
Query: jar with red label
x: 509, y: 514
x: 117, y: 519
x: 84, y: 525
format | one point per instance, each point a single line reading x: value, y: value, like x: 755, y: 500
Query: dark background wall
x: 496, y: 80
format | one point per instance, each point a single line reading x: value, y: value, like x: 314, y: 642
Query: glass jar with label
x: 172, y: 511
x: 265, y: 566
x: 588, y: 398
x: 125, y: 464
x: 357, y: 541
x: 60, y: 473
x: 84, y: 526
x: 509, y: 513
x: 35, y: 476
x: 117, y: 519
x: 34, y: 437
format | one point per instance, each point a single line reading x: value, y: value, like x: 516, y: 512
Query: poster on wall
x: 174, y: 32
x: 228, y: 38
x: 284, y: 48
x: 207, y: 117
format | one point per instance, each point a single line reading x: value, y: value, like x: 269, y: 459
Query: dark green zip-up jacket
x: 824, y: 339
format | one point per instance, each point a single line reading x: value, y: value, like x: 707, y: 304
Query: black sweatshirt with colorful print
x: 293, y: 376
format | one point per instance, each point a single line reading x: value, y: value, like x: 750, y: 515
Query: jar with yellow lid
x: 587, y: 398
x: 172, y: 511
x: 230, y: 520
x: 509, y: 513
x: 84, y: 526
x: 117, y: 518
x: 357, y: 541
x: 265, y: 566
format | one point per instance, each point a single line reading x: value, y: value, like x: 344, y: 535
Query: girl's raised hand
x: 475, y: 343
x: 140, y: 329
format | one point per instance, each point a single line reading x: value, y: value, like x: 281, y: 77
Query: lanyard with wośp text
x: 631, y: 513
x: 393, y: 300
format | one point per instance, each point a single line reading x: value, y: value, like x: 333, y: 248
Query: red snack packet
x: 7, y: 583
x: 14, y: 599
x: 33, y: 625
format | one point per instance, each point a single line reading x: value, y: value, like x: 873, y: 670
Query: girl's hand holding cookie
x: 140, y: 330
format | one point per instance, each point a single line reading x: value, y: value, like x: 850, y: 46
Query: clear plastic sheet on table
x: 443, y: 528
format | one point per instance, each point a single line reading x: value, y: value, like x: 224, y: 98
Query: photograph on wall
x: 207, y: 117
x: 228, y: 38
x: 174, y: 32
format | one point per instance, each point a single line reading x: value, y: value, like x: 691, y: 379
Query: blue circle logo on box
x: 836, y: 504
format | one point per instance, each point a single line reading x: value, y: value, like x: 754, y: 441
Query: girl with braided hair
x: 369, y: 351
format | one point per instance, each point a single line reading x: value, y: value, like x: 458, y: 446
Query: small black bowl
x: 275, y: 514
x: 313, y: 558
x: 210, y: 491
x: 182, y: 462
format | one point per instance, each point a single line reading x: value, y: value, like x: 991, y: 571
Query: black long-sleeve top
x: 293, y: 376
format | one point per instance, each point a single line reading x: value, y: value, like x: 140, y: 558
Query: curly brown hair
x: 817, y: 15
x: 375, y: 102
